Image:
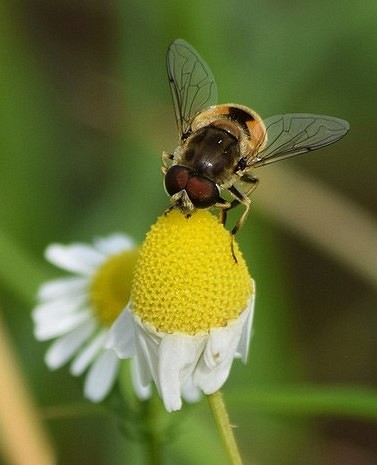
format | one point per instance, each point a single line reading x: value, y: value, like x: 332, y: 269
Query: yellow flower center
x: 186, y: 278
x: 111, y: 286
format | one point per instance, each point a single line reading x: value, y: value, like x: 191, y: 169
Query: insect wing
x: 192, y: 84
x: 293, y: 134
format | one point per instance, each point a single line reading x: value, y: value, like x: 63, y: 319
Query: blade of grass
x: 23, y: 438
x: 356, y: 402
x: 328, y: 219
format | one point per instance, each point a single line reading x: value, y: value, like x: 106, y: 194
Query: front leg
x: 243, y: 197
x: 247, y: 178
x: 223, y: 206
x: 240, y: 198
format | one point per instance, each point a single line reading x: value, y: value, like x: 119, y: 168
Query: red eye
x: 202, y: 192
x: 176, y: 179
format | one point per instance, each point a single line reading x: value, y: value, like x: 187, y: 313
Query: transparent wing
x: 297, y: 133
x: 192, y: 84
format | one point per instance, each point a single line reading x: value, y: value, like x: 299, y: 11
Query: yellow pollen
x: 111, y: 286
x: 186, y: 278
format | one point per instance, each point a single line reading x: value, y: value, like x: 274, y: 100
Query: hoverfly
x: 221, y: 144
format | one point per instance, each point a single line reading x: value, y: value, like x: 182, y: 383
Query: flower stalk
x: 221, y: 417
x: 152, y: 435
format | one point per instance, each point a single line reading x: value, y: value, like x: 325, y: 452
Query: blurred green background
x: 85, y: 113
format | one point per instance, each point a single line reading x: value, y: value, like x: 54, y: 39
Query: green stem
x: 221, y: 417
x: 153, y: 440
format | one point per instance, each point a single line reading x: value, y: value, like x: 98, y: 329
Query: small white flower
x: 191, y: 306
x: 78, y: 310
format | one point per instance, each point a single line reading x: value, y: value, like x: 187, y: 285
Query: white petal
x: 101, y: 376
x: 64, y: 348
x: 190, y: 392
x: 143, y: 390
x: 62, y: 287
x: 121, y: 337
x: 54, y: 309
x: 242, y: 351
x: 214, y: 366
x: 210, y: 380
x: 114, y: 244
x: 87, y: 355
x: 147, y: 353
x: 77, y: 258
x: 49, y: 328
x: 179, y: 354
x: 143, y: 363
x: 224, y: 341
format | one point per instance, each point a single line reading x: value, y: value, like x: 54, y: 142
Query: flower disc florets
x: 189, y: 276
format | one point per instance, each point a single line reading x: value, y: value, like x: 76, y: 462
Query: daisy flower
x: 191, y: 307
x: 77, y: 311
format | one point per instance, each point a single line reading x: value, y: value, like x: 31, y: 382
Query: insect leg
x: 240, y: 198
x: 223, y: 207
x: 235, y: 202
x: 250, y: 180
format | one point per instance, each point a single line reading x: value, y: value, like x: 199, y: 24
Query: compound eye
x: 202, y: 192
x: 176, y: 179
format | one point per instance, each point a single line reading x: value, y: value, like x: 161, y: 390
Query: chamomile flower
x: 191, y: 306
x: 77, y: 311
